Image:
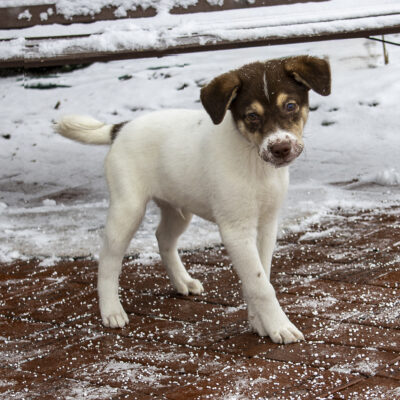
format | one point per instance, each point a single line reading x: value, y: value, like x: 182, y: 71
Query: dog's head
x: 269, y: 102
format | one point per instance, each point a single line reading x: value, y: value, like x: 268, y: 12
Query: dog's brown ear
x: 313, y: 72
x: 218, y: 95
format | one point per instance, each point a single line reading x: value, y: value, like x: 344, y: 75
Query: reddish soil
x: 339, y: 283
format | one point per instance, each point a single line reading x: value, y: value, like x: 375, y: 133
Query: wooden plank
x: 47, y: 14
x: 205, y: 6
x: 10, y: 17
x: 193, y: 44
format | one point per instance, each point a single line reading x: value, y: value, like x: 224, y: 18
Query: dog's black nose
x: 280, y: 150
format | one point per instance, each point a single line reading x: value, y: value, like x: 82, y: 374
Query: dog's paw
x: 286, y: 334
x: 114, y: 317
x: 276, y: 325
x: 188, y: 286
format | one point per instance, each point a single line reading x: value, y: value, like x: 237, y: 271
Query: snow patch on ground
x: 366, y: 367
x: 49, y: 261
x: 395, y: 392
x: 317, y: 235
x: 387, y: 177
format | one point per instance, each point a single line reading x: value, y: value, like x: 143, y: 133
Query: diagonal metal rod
x: 383, y: 41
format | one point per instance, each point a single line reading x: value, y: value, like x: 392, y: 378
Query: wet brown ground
x: 339, y: 282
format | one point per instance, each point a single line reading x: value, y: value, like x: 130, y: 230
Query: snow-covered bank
x: 351, y: 157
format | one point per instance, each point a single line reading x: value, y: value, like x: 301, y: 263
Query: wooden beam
x: 10, y: 17
x: 205, y: 6
x: 189, y: 45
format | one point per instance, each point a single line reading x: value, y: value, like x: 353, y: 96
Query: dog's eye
x: 253, y: 117
x: 291, y: 106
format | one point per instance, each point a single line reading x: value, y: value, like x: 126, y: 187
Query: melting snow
x: 387, y: 177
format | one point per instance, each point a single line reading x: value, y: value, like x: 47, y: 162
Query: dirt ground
x: 338, y: 281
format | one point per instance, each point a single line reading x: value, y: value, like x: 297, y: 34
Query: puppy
x: 231, y: 169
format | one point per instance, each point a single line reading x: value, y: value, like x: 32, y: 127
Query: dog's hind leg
x: 123, y: 220
x: 173, y: 223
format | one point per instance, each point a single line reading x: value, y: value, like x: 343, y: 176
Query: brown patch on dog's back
x: 116, y: 129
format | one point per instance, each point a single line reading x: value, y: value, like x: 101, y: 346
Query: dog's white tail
x: 84, y: 129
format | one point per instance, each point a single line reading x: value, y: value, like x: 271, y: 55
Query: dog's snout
x: 280, y: 150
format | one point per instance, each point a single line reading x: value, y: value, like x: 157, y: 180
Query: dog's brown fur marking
x: 312, y: 72
x: 116, y: 129
x: 282, y: 88
x: 257, y: 107
x: 218, y: 95
x: 257, y: 95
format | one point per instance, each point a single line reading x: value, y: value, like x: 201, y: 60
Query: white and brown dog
x: 231, y: 170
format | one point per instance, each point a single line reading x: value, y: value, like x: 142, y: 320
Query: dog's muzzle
x: 280, y: 148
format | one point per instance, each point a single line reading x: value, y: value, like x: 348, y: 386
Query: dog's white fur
x: 189, y: 166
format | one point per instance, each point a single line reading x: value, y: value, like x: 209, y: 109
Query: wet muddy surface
x: 339, y: 282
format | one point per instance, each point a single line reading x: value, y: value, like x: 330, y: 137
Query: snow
x: 387, y: 177
x: 53, y: 197
x: 70, y: 8
x: 395, y: 392
x: 25, y: 15
x: 21, y: 3
x: 366, y: 367
x: 48, y: 262
x: 317, y: 235
x: 12, y: 48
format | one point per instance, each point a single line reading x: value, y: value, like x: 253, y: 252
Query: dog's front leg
x: 265, y: 313
x: 266, y: 240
